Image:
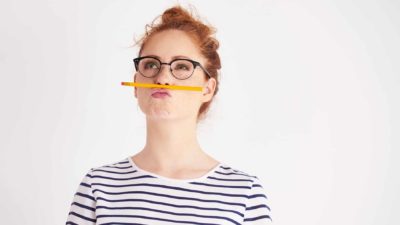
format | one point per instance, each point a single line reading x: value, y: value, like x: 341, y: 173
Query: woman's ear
x: 206, y: 89
x: 209, y: 89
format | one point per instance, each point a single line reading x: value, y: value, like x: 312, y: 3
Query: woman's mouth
x: 160, y: 93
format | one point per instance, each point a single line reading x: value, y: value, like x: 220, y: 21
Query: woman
x: 172, y: 180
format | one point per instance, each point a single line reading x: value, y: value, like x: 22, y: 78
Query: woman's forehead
x: 171, y: 44
x: 171, y: 58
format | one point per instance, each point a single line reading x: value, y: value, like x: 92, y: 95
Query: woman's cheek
x: 192, y: 102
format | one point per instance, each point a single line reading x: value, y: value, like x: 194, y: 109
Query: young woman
x: 172, y: 180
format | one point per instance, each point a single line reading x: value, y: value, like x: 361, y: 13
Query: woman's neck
x: 173, y: 146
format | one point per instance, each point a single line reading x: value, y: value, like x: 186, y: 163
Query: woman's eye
x: 182, y: 67
x: 150, y: 65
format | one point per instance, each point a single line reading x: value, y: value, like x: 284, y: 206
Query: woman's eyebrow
x: 174, y: 57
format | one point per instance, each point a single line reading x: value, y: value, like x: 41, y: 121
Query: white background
x: 308, y: 102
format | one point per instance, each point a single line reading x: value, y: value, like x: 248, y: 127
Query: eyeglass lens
x: 150, y: 67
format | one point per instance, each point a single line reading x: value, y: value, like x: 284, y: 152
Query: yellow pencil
x: 175, y: 87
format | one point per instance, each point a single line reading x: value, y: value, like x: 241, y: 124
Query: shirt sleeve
x: 257, y: 206
x: 83, y: 206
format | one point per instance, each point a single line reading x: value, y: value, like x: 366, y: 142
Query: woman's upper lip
x: 160, y: 90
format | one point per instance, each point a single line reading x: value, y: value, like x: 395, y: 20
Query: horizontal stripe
x: 153, y: 218
x: 84, y: 206
x: 86, y: 196
x: 234, y: 173
x: 107, y: 171
x: 257, y: 218
x: 114, y: 178
x: 222, y: 186
x: 71, y: 223
x: 173, y: 188
x: 166, y: 204
x: 169, y: 196
x: 82, y: 217
x: 215, y: 178
x: 114, y: 223
x: 257, y: 207
x: 119, y: 167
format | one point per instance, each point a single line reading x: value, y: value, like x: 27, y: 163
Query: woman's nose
x: 164, y: 75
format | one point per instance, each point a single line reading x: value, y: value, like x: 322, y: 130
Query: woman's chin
x: 159, y: 114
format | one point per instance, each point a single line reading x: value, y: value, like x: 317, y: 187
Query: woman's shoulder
x: 258, y: 209
x: 121, y: 165
x: 234, y: 172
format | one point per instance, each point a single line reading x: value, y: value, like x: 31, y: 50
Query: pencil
x: 175, y: 87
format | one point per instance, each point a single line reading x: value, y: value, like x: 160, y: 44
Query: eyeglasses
x: 181, y: 69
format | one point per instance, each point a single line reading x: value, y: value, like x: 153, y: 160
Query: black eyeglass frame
x: 195, y: 64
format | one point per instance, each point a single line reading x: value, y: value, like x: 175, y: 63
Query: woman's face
x: 181, y: 104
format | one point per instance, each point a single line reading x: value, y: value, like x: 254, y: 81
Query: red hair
x: 180, y: 19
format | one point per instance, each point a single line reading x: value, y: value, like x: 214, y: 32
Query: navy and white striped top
x: 123, y: 193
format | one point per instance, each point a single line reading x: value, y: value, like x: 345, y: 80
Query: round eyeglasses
x: 181, y: 69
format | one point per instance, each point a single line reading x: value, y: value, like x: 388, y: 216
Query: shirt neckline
x: 133, y: 164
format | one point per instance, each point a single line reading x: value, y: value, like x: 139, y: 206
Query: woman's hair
x: 178, y: 18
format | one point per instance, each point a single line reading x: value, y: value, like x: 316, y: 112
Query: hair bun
x: 176, y: 14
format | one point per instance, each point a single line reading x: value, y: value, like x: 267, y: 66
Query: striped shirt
x: 123, y: 193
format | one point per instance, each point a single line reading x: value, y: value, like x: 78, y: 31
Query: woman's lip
x: 158, y: 90
x: 160, y: 95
